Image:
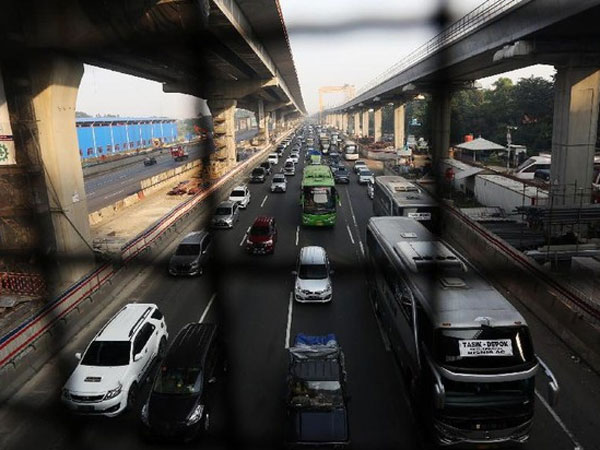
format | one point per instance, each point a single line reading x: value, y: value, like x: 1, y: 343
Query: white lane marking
x: 264, y: 200
x: 362, y: 249
x: 352, y: 210
x: 210, y: 302
x: 288, y: 328
x: 577, y: 445
x: 350, y: 233
x: 297, y: 234
x: 243, y: 239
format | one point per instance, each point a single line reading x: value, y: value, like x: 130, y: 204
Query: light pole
x: 508, y: 142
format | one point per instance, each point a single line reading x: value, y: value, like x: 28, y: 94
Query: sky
x: 334, y: 42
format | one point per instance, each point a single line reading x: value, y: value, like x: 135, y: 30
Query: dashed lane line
x: 205, y: 313
x: 350, y: 233
x: 264, y: 200
x: 288, y: 327
x: 297, y: 234
x: 558, y: 420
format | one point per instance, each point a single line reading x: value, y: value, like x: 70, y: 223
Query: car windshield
x: 259, y: 230
x: 223, y: 211
x: 278, y: 179
x: 107, y: 354
x: 341, y: 171
x: 177, y: 380
x: 318, y: 200
x: 188, y: 250
x: 316, y: 394
x: 257, y: 172
x: 366, y: 172
x: 265, y: 164
x: 312, y: 271
x: 238, y: 193
x: 273, y: 155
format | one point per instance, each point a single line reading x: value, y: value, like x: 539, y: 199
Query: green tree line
x: 527, y: 105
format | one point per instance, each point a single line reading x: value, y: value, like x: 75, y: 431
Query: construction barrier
x: 32, y: 284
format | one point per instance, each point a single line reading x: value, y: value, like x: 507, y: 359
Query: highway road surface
x: 107, y: 188
x: 250, y: 297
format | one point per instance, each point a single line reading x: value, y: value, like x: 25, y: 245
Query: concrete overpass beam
x: 399, y: 126
x: 223, y: 114
x: 41, y: 94
x: 575, y: 125
x: 378, y: 123
x: 440, y: 125
x: 365, y: 123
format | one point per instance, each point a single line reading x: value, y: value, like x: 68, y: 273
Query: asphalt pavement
x: 249, y: 296
x: 105, y: 189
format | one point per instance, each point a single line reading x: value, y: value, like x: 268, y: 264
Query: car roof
x: 191, y: 345
x: 195, y: 237
x: 262, y: 221
x: 226, y: 203
x: 241, y: 187
x: 312, y: 255
x: 126, y: 322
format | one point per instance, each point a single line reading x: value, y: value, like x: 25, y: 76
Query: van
x: 313, y: 281
x: 179, y: 402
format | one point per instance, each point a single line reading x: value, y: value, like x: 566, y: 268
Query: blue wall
x: 101, y: 131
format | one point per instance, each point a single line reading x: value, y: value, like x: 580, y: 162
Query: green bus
x: 319, y: 196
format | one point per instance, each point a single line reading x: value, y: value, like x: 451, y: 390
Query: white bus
x: 397, y: 196
x: 350, y: 150
x: 465, y: 352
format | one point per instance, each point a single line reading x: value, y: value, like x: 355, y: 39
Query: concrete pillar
x: 263, y: 129
x: 274, y: 120
x: 365, y: 123
x: 398, y: 126
x: 223, y: 114
x: 575, y: 125
x: 356, y: 124
x: 440, y: 125
x: 378, y: 123
x: 345, y: 122
x: 41, y: 94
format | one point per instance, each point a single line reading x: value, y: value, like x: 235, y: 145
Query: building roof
x: 90, y: 120
x: 479, y: 145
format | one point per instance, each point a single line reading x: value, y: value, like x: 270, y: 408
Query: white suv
x: 107, y: 379
x: 273, y: 158
x: 241, y: 195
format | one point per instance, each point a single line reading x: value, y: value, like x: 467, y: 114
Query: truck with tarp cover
x: 316, y: 393
x: 319, y: 196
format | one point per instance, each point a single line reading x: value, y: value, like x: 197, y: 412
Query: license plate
x: 420, y: 216
x: 86, y: 408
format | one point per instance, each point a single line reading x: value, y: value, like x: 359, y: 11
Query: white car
x: 313, y: 282
x: 365, y: 176
x: 359, y: 164
x: 279, y: 183
x: 273, y: 158
x: 240, y: 195
x: 295, y: 157
x: 111, y: 370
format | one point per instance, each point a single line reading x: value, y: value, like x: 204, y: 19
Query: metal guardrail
x: 27, y: 332
x: 467, y: 24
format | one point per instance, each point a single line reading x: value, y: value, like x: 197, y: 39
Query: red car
x: 262, y: 236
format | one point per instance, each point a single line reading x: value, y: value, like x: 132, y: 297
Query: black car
x: 258, y: 175
x: 149, y: 161
x: 267, y: 166
x: 280, y: 149
x: 341, y: 175
x: 179, y: 403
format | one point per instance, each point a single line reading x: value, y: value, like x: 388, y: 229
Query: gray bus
x: 397, y: 196
x: 465, y: 352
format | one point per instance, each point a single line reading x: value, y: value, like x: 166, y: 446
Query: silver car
x: 279, y: 183
x: 191, y: 254
x: 365, y: 176
x: 226, y: 215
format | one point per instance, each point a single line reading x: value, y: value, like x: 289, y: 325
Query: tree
x: 81, y: 115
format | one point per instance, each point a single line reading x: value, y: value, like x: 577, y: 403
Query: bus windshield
x: 485, y: 349
x: 319, y: 200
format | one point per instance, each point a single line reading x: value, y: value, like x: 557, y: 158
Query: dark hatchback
x: 341, y: 175
x: 258, y: 175
x: 179, y: 404
x: 262, y: 236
